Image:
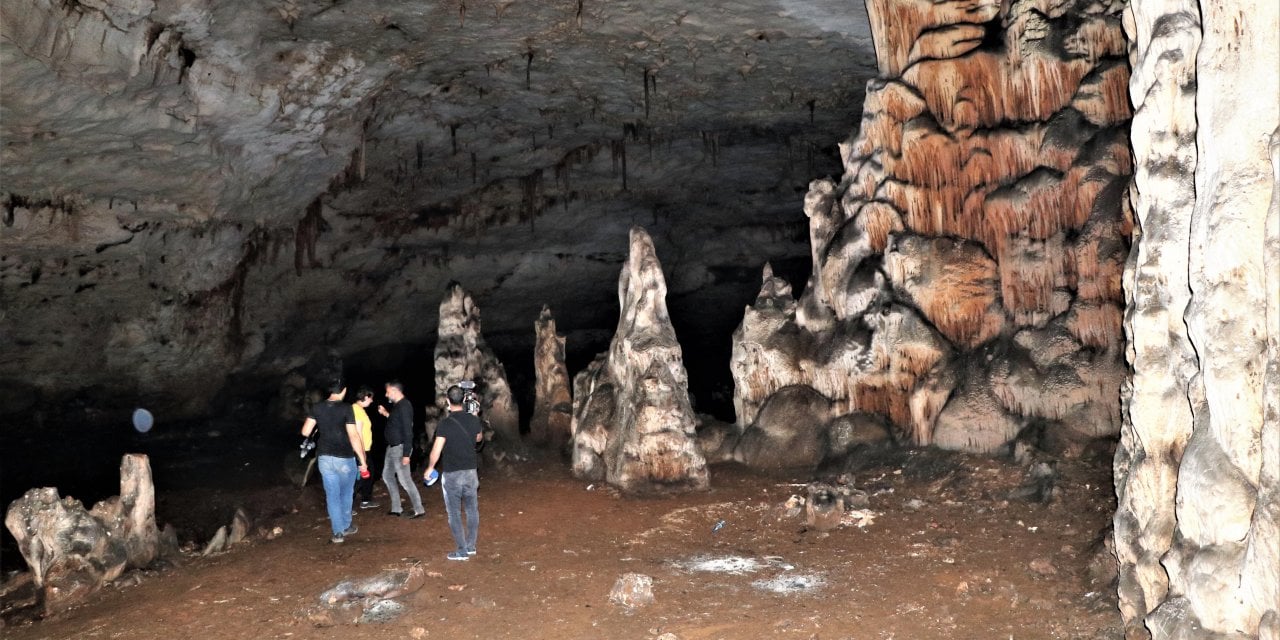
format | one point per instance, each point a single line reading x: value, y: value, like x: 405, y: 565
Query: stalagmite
x: 552, y: 410
x: 1197, y: 531
x: 633, y: 425
x: 73, y: 552
x: 462, y: 354
x: 981, y: 196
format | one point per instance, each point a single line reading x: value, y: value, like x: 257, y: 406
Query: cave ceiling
x: 198, y: 188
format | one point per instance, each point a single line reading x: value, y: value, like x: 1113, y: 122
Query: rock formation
x: 633, y: 425
x: 73, y: 552
x: 966, y: 267
x: 462, y: 354
x: 1197, y: 532
x: 552, y: 421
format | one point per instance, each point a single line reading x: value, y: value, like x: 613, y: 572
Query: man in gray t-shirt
x: 455, y: 449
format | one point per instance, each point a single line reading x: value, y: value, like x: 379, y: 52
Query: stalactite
x: 646, y: 92
x: 618, y: 150
x: 528, y: 69
x: 308, y: 230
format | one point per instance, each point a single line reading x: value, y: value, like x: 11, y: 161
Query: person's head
x: 454, y: 395
x: 336, y: 389
x: 395, y: 391
x: 364, y: 397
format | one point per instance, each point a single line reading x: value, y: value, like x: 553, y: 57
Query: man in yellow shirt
x: 364, y: 486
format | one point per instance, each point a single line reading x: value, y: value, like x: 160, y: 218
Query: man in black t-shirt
x: 455, y: 449
x: 338, y: 448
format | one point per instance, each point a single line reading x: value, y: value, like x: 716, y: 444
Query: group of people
x: 344, y: 439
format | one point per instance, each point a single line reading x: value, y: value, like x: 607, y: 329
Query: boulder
x: 789, y: 432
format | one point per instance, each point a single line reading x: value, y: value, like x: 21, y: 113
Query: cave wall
x: 1198, y: 470
x: 967, y: 266
x: 197, y: 189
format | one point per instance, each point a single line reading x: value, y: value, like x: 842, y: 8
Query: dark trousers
x: 364, y: 486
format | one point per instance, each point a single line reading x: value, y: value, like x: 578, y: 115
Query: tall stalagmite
x: 967, y: 266
x: 462, y: 354
x: 633, y: 425
x: 552, y: 409
x: 1198, y: 470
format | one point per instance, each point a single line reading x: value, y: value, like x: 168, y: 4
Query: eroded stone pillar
x: 1198, y: 471
x: 462, y: 354
x: 633, y: 424
x: 72, y: 552
x: 552, y: 410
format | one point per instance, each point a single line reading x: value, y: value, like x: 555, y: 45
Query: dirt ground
x: 947, y: 554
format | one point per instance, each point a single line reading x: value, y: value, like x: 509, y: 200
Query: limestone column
x: 1198, y: 472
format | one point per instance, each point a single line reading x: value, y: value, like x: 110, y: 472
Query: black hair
x: 336, y: 385
x: 397, y: 384
x: 364, y: 393
x: 455, y: 395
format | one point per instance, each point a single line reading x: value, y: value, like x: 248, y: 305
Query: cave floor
x: 946, y: 555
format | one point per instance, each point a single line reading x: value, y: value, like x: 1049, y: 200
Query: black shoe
x: 350, y: 530
x: 368, y: 504
x: 414, y: 516
x: 395, y: 514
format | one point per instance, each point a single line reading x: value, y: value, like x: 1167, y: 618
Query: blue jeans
x: 460, y: 489
x: 339, y: 476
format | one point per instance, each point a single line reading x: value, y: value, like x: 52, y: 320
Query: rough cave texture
x: 967, y: 266
x: 1198, y: 471
x: 633, y: 425
x: 552, y: 420
x: 463, y: 354
x: 73, y: 552
x: 194, y: 188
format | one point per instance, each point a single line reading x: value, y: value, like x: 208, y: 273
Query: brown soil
x: 968, y: 563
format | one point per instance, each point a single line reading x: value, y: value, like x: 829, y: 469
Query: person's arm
x: 308, y: 426
x: 435, y: 454
x: 357, y: 445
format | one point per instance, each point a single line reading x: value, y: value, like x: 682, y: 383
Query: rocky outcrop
x: 73, y: 552
x: 966, y: 278
x: 462, y: 354
x: 552, y: 421
x: 1197, y: 532
x: 633, y: 425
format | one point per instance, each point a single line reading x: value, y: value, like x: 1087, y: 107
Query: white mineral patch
x: 791, y: 583
x: 736, y: 565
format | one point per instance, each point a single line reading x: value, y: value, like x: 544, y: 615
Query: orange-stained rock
x: 981, y: 195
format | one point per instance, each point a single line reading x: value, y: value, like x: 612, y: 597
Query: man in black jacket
x: 399, y: 437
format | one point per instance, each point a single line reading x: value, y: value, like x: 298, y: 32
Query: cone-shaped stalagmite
x: 552, y: 410
x: 461, y: 354
x: 632, y: 422
x: 979, y: 217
